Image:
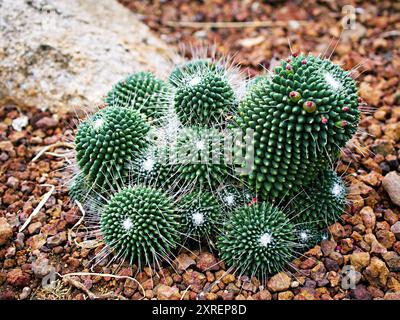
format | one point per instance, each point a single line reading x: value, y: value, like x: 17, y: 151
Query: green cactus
x: 143, y: 92
x: 140, y: 224
x: 201, y: 214
x: 232, y: 197
x: 79, y: 189
x: 322, y: 202
x: 257, y: 240
x: 256, y: 81
x: 203, y: 94
x: 200, y: 157
x: 300, y: 118
x: 308, y: 235
x: 106, y: 144
x: 190, y: 68
x: 155, y: 168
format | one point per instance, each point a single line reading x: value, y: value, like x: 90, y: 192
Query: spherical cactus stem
x: 140, y: 224
x: 257, y: 240
x: 322, y: 201
x: 202, y: 216
x: 107, y: 142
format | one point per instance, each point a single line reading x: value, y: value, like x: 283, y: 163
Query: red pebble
x: 295, y: 54
x: 346, y: 109
x: 304, y: 61
x: 288, y: 67
x: 344, y: 123
x: 324, y: 120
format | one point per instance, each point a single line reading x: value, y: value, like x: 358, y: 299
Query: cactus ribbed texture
x: 107, y: 142
x: 142, y: 92
x: 201, y: 158
x: 232, y: 197
x: 201, y: 214
x: 79, y: 189
x: 154, y: 168
x: 257, y: 240
x: 301, y: 118
x: 322, y: 202
x: 308, y: 235
x: 140, y: 224
x: 203, y: 94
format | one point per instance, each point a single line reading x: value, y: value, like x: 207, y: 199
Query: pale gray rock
x: 391, y: 184
x: 59, y: 54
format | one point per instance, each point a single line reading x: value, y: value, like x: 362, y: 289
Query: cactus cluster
x: 178, y: 179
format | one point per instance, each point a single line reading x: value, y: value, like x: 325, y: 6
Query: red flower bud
x: 309, y: 106
x: 294, y: 96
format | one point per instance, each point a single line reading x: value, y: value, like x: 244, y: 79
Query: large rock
x: 377, y: 273
x: 6, y: 231
x: 60, y: 54
x: 279, y: 282
x: 391, y: 183
x: 360, y: 260
x: 168, y: 293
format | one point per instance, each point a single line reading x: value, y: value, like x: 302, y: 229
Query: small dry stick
x: 88, y: 244
x: 102, y: 275
x: 71, y: 232
x: 90, y: 294
x: 51, y: 146
x: 40, y: 205
x: 184, y: 292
